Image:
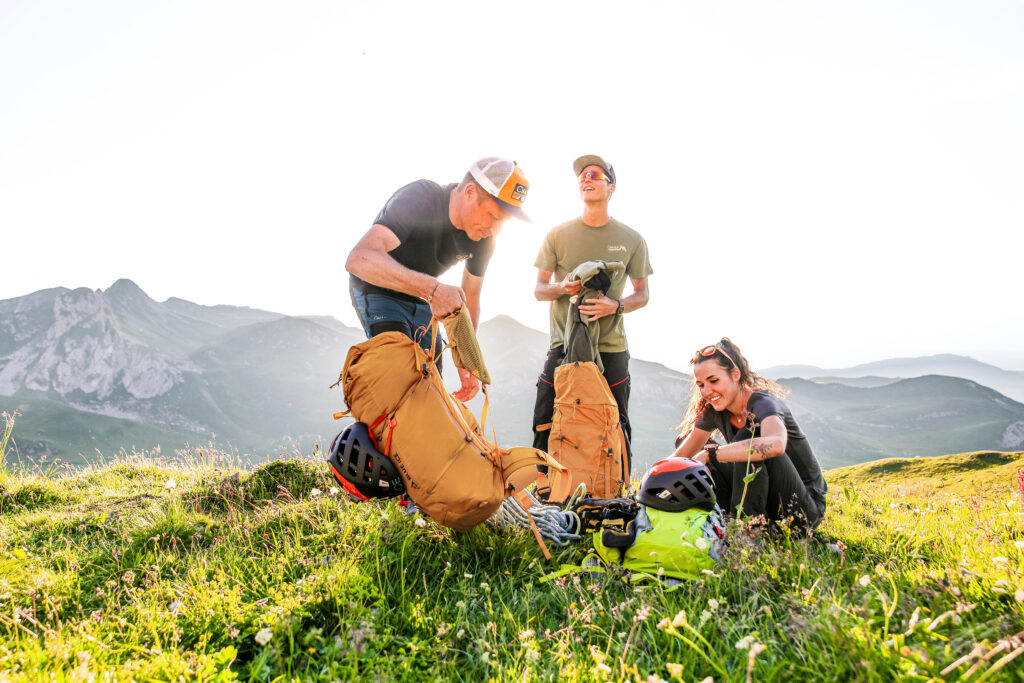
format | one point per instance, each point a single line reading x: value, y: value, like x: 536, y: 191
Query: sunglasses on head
x: 594, y: 175
x: 710, y: 350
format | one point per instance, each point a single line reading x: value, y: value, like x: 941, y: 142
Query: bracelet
x: 437, y: 284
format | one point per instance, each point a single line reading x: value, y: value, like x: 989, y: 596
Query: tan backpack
x: 450, y: 469
x: 586, y: 436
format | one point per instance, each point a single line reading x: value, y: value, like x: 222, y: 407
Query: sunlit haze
x: 823, y: 184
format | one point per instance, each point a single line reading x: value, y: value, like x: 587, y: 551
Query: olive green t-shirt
x: 574, y: 242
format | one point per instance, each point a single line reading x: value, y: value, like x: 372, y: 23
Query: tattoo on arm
x: 763, y: 448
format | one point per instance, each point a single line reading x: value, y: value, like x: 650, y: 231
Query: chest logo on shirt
x: 619, y: 247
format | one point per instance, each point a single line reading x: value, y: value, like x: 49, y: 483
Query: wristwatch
x: 622, y: 307
x: 712, y: 450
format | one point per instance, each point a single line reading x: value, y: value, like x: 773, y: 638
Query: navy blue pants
x: 382, y: 313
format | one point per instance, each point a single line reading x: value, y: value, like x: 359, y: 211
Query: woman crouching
x: 758, y: 427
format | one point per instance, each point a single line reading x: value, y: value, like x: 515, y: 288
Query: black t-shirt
x: 763, y: 404
x: 418, y: 215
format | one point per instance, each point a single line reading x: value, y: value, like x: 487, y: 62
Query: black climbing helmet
x: 677, y: 484
x: 360, y: 468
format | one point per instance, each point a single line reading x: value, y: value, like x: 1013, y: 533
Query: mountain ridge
x: 259, y: 380
x: 1007, y: 382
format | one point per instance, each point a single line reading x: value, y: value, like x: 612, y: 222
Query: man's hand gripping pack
x: 450, y: 469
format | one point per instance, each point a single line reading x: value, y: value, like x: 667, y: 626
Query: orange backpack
x: 450, y: 469
x: 586, y: 436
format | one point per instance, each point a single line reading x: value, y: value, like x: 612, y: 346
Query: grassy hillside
x: 962, y: 475
x: 189, y: 569
x: 78, y: 437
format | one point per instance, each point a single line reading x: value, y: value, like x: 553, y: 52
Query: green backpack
x: 678, y: 545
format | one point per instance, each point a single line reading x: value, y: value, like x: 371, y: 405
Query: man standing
x: 422, y: 231
x: 594, y: 236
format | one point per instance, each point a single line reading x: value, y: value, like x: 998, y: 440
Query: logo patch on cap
x: 504, y: 180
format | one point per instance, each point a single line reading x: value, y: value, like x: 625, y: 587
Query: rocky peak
x: 84, y: 350
x: 75, y: 308
x: 125, y: 289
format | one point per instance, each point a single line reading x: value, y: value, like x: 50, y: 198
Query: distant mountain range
x: 96, y: 371
x: 1007, y: 382
x: 101, y: 370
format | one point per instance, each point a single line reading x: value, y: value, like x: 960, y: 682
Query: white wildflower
x: 680, y: 619
x: 314, y: 493
x: 712, y: 604
x: 528, y: 634
x: 461, y: 634
x: 1000, y: 560
x: 864, y: 580
x: 468, y: 576
x: 705, y: 615
x: 655, y: 678
x: 603, y: 668
x: 744, y: 643
x: 701, y: 544
x: 263, y: 636
x: 485, y: 586
x: 674, y: 670
x: 461, y: 604
x: 1019, y: 595
x: 334, y: 490
x: 171, y: 484
x: 420, y: 522
x: 1019, y: 545
x: 664, y: 623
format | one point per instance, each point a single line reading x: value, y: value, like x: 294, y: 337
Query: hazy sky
x: 823, y: 183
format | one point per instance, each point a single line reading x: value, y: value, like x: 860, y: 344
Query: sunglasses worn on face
x: 710, y: 350
x: 594, y: 175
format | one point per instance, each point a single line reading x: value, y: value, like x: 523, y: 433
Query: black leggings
x: 776, y: 492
